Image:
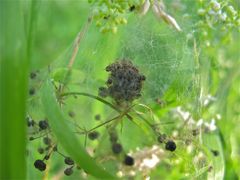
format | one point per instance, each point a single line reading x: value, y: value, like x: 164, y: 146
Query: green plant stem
x: 97, y: 98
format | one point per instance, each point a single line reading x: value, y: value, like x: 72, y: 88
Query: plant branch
x: 96, y: 98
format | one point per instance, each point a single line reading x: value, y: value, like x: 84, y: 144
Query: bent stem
x: 96, y: 98
x: 112, y: 106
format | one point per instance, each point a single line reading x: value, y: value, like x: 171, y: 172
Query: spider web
x: 163, y: 55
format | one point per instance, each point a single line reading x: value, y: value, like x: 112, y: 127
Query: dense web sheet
x: 163, y: 55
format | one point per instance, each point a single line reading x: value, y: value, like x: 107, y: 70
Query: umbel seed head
x: 124, y: 83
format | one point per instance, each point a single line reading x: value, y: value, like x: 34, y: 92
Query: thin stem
x: 78, y: 41
x: 146, y: 121
x: 106, y: 122
x: 96, y: 98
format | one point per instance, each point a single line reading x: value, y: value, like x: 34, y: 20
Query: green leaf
x: 64, y: 75
x: 213, y: 142
x: 65, y: 135
x: 13, y: 91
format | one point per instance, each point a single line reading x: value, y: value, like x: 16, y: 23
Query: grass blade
x: 213, y: 142
x: 13, y: 87
x: 66, y: 137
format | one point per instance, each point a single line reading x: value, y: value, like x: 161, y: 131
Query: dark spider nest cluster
x: 124, y: 83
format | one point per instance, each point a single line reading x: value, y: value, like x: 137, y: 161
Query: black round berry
x: 40, y: 150
x: 71, y: 114
x: 40, y: 165
x: 68, y: 171
x: 30, y: 122
x: 132, y: 8
x: 93, y: 135
x: 129, y: 161
x: 31, y: 91
x: 195, y: 132
x: 170, y: 145
x: 68, y: 161
x: 47, y: 140
x: 215, y: 152
x: 103, y: 92
x: 33, y: 75
x: 161, y: 138
x: 117, y: 148
x: 46, y: 157
x: 78, y: 167
x: 113, y: 137
x: 43, y: 124
x: 55, y: 148
x: 97, y: 117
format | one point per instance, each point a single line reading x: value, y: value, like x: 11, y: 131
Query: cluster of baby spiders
x: 123, y: 86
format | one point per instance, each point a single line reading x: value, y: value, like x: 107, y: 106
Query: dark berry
x: 47, y: 140
x: 170, y: 145
x: 215, y: 152
x: 195, y: 132
x: 129, y: 161
x: 68, y: 161
x: 40, y: 150
x: 30, y: 122
x: 103, y: 92
x: 109, y: 81
x: 68, y: 171
x: 93, y: 135
x: 97, y: 117
x: 43, y: 124
x: 161, y: 138
x: 33, y: 75
x: 46, y: 157
x: 31, y: 91
x: 40, y: 165
x: 71, y: 114
x: 31, y: 138
x: 113, y: 137
x: 48, y: 147
x: 132, y: 8
x: 55, y: 148
x: 117, y: 148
